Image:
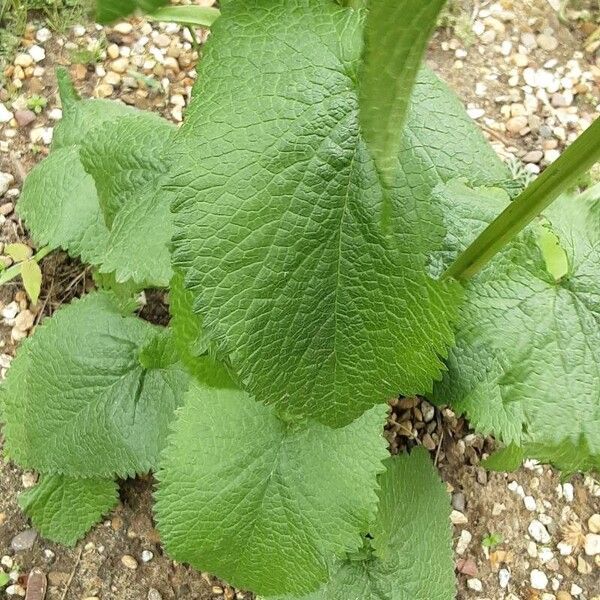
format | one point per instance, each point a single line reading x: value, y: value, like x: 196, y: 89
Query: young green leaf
x: 32, y: 279
x: 278, y: 214
x: 412, y: 541
x: 4, y: 579
x: 83, y: 397
x: 108, y: 11
x: 63, y: 509
x: 127, y: 162
x: 507, y: 459
x: 18, y: 252
x: 286, y: 496
x: 525, y: 366
x: 396, y: 36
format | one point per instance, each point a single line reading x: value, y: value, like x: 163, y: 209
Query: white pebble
x: 538, y: 532
x: 592, y: 544
x: 576, y: 590
x: 43, y: 35
x: 7, y: 562
x: 15, y: 590
x: 147, y: 556
x: 463, y: 542
x: 5, y: 114
x: 37, y: 53
x: 503, y: 578
x: 564, y: 548
x: 567, y: 488
x: 545, y: 555
x: 539, y: 580
x: 475, y: 585
x: 530, y: 503
x: 458, y: 518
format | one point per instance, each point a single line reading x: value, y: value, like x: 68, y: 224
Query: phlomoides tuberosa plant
x: 333, y: 231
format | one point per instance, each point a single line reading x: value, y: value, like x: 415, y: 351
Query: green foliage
x: 408, y: 555
x: 278, y: 224
x: 392, y: 58
x: 492, y: 540
x: 98, y: 195
x: 79, y: 399
x: 108, y: 11
x: 233, y: 469
x: 321, y: 185
x: 525, y: 364
x: 64, y: 508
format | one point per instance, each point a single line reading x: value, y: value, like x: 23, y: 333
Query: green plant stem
x: 562, y: 175
x: 15, y: 270
x: 198, y: 16
x: 195, y: 42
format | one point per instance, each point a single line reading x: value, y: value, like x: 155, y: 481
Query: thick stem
x: 562, y: 175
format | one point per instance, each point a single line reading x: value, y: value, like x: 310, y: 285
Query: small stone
x: 592, y: 544
x: 123, y: 28
x: 535, y: 156
x: 24, y: 540
x: 428, y: 411
x: 129, y: 562
x: 10, y: 311
x: 15, y: 590
x: 41, y: 135
x: 29, y: 478
x: 576, y: 590
x: 562, y: 595
x: 498, y: 509
x: 538, y: 579
x: 567, y: 488
x: 503, y: 578
x: 24, y: 117
x: 545, y: 555
x: 217, y: 589
x: 583, y: 566
x: 529, y: 40
x: 23, y: 60
x: 120, y: 65
x: 547, y: 42
x: 6, y: 209
x: 529, y: 501
x: 561, y: 100
x: 162, y: 40
x: 7, y: 562
x: 37, y: 53
x: 154, y: 594
x: 594, y: 523
x: 112, y: 78
x: 459, y: 502
x: 104, y: 90
x: 550, y: 156
x: 564, y: 548
x: 5, y: 114
x: 458, y: 518
x: 463, y: 542
x: 113, y: 51
x: 532, y: 549
x: 520, y: 60
x: 147, y: 556
x: 43, y: 35
x: 79, y: 30
x: 475, y: 113
x: 517, y: 124
x: 49, y: 555
x: 538, y: 532
x: 475, y: 585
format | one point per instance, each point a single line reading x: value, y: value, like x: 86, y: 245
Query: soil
x: 492, y: 503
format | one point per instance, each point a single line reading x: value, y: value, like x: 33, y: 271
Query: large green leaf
x: 261, y: 502
x: 279, y: 214
x: 92, y: 393
x: 127, y: 161
x: 412, y: 541
x: 63, y: 509
x: 108, y: 11
x: 526, y: 364
x: 59, y: 204
x: 396, y: 36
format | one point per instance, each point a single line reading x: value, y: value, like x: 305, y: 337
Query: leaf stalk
x: 559, y: 177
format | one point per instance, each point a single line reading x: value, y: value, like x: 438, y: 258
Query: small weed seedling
x: 333, y: 231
